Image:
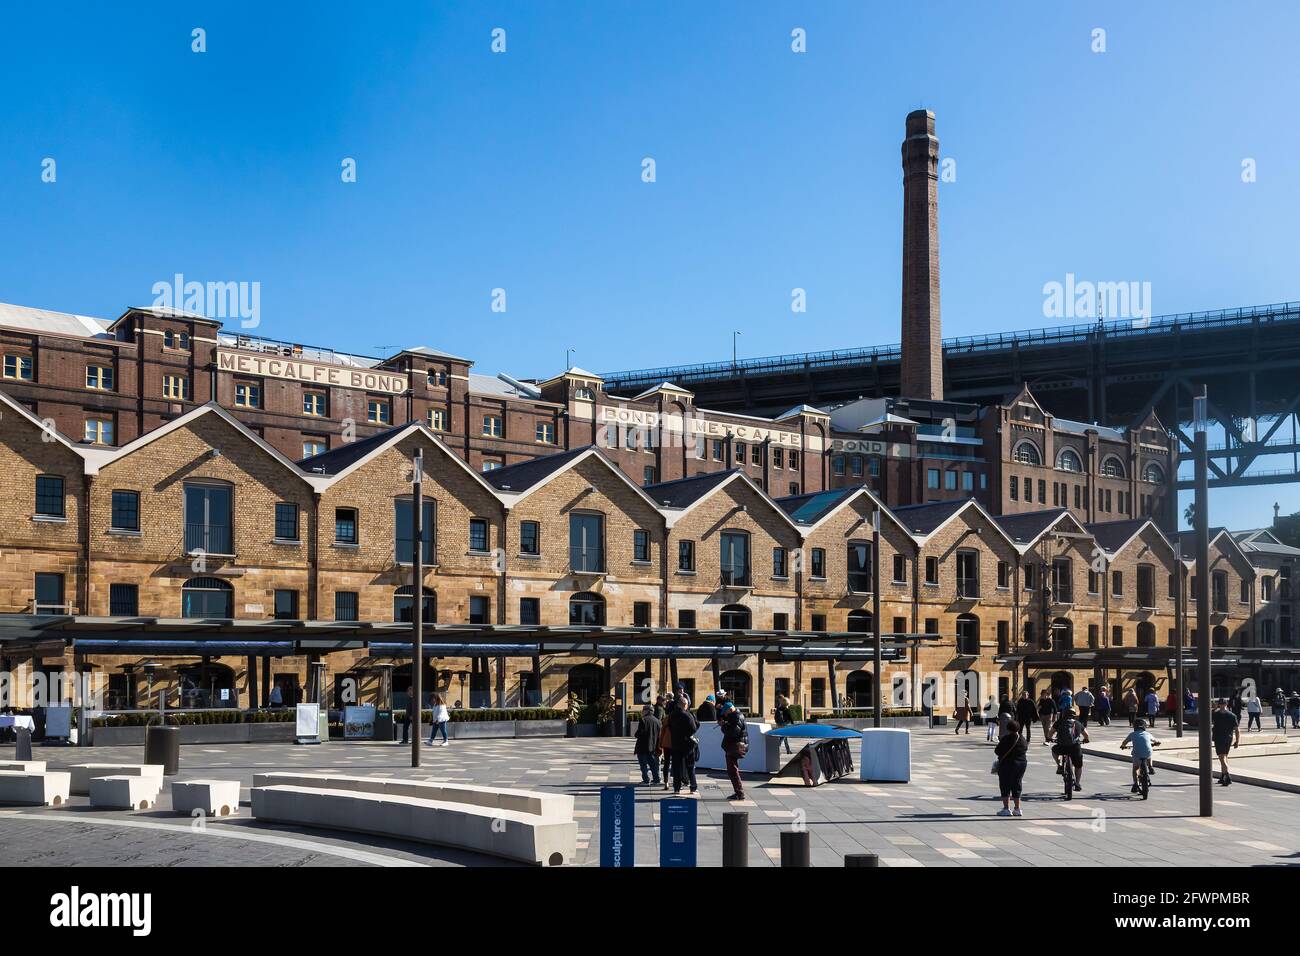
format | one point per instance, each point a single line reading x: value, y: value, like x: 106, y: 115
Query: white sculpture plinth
x: 886, y: 755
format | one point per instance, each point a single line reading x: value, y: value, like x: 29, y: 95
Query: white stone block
x: 886, y: 755
x: 124, y: 792
x: 45, y: 789
x: 23, y: 766
x: 83, y: 773
x: 218, y: 798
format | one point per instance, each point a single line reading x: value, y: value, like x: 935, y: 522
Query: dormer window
x: 584, y: 393
x: 176, y: 340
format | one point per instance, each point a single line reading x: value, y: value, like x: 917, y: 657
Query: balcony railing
x: 587, y: 560
x: 735, y: 576
x: 208, y: 538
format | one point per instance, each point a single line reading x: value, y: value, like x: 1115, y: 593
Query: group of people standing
x: 669, y: 731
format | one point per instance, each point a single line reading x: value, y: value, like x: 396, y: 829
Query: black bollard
x: 735, y: 839
x: 795, y: 848
x: 861, y: 859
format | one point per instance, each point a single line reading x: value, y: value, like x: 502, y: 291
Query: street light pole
x: 734, y: 335
x: 1180, y: 678
x: 875, y: 615
x: 417, y: 606
x: 1202, y: 519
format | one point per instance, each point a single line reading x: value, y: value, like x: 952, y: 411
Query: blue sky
x: 522, y: 170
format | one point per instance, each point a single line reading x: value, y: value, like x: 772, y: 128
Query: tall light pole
x: 417, y: 606
x: 875, y: 615
x: 568, y: 363
x: 734, y: 336
x: 1202, y: 519
x: 1180, y: 586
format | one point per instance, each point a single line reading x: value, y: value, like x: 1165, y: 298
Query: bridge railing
x: 1056, y: 335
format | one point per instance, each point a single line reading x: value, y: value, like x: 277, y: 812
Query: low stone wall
x: 199, y: 734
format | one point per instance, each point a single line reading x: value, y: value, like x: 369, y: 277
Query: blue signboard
x: 618, y: 826
x: 677, y: 832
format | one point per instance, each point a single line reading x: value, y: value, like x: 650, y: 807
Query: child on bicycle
x: 1142, y: 742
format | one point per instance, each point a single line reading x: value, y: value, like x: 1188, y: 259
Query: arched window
x: 1146, y: 636
x: 207, y: 597
x: 1219, y: 636
x: 736, y: 684
x: 857, y: 689
x: 404, y: 605
x: 1062, y: 634
x: 1154, y: 474
x: 587, y: 682
x: 1026, y: 453
x: 968, y: 635
x: 1112, y: 467
x: 1068, y: 460
x: 860, y: 622
x: 587, y: 609
x: 735, y: 617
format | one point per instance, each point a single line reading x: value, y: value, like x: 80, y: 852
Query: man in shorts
x: 1225, y: 730
x: 1069, y: 736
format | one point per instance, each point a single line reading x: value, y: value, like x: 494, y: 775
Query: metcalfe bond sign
x: 694, y: 425
x: 310, y: 373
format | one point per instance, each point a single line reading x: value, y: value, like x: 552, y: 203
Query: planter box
x: 199, y: 734
x: 539, y: 728
x: 480, y: 729
x: 584, y: 730
x: 866, y: 723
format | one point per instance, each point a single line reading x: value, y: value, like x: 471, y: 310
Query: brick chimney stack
x: 922, y: 359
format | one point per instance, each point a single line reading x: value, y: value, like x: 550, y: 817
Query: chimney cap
x: 920, y: 123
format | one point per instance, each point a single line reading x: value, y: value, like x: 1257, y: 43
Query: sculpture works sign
x: 310, y: 373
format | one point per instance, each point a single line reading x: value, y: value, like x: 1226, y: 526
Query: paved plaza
x: 944, y: 817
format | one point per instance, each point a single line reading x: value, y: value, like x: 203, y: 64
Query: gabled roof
x: 210, y: 408
x: 337, y: 463
x: 426, y: 352
x: 801, y: 410
x: 678, y: 498
x: 514, y: 483
x: 91, y: 455
x: 663, y: 387
x: 1255, y: 536
x: 1187, y: 540
x: 813, y: 509
x: 1080, y: 428
x: 1114, y: 536
x: 1027, y: 528
x: 922, y: 521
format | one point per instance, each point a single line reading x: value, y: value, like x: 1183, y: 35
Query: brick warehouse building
x: 200, y: 543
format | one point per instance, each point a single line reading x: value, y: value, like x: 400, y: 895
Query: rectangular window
x: 860, y: 567
x: 1146, y: 582
x: 123, y: 600
x: 778, y: 458
x: 818, y: 696
x: 932, y: 478
x: 1094, y: 635
x: 641, y: 614
x: 404, y: 530
x: 740, y: 453
x: 379, y: 411
x: 794, y: 488
x: 209, y: 519
x: 479, y: 610
x: 248, y: 395
x: 1219, y: 598
x: 686, y: 619
x: 1062, y: 581
x: 755, y: 455
x: 685, y: 555
x: 286, y: 521
x: 1029, y: 577
x: 780, y: 622
x: 968, y: 574
x: 313, y: 403
x: 640, y: 545
x: 931, y: 570
x: 1014, y: 487
x: 530, y: 538
x: 818, y: 562
x: 717, y: 450
x: 1078, y: 497
x: 900, y: 626
x: 1265, y: 589
x: 837, y: 465
x: 900, y: 569
x: 19, y: 367
x: 313, y: 446
x: 779, y: 569
x: 950, y: 480
x: 1094, y: 582
x: 1004, y: 574
x: 49, y: 594
x: 438, y: 419
x: 856, y: 466
x: 1004, y: 637
x: 99, y: 377
x: 478, y: 535
x: 1117, y: 584
x: 345, y: 605
x: 286, y: 605
x: 794, y: 459
x: 819, y: 622
x: 126, y: 511
x: 345, y: 525
x: 1117, y: 635
x: 1042, y: 491
x: 99, y: 431
x: 546, y: 433
x: 176, y: 388
x: 492, y: 464
x: 530, y: 611
x: 648, y: 475
x: 968, y: 481
x: 734, y: 558
x: 587, y: 542
x: 492, y: 427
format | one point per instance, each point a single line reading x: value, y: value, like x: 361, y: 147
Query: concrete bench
x: 525, y: 837
x: 218, y: 798
x: 83, y: 773
x: 44, y: 789
x: 23, y: 766
x: 124, y: 792
x: 551, y: 806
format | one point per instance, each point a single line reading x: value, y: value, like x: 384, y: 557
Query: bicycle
x: 1144, y: 779
x: 1067, y: 774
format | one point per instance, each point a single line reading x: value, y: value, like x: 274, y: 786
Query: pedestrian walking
x: 991, y: 719
x: 408, y: 715
x: 963, y: 714
x: 1152, y: 703
x: 1104, y: 707
x: 735, y: 744
x: 666, y: 740
x: 1012, y: 760
x: 1084, y: 701
x: 1131, y: 705
x: 441, y: 718
x: 646, y: 748
x: 1226, y: 732
x: 683, y: 726
x: 1253, y: 711
x: 1171, y: 708
x: 1006, y: 713
x: 1278, y: 706
x: 1293, y: 705
x: 277, y: 696
x: 1046, y: 714
x: 1026, y: 714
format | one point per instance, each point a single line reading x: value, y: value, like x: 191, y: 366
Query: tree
x: 1189, y: 514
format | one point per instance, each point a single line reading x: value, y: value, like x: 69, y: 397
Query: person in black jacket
x: 708, y: 711
x: 1026, y: 713
x: 682, y: 725
x: 734, y: 733
x: 1012, y: 761
x: 647, y: 744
